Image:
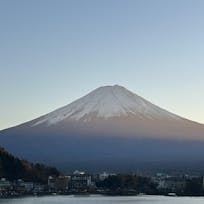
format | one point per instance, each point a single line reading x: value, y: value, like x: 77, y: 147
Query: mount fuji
x: 110, y: 128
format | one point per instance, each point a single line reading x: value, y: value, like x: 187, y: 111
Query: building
x: 58, y: 184
x: 51, y: 183
x: 80, y: 181
x: 103, y: 176
x: 61, y: 183
x: 172, y: 184
x: 39, y: 189
x: 5, y: 186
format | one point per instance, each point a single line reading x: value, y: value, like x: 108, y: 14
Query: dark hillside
x: 13, y: 168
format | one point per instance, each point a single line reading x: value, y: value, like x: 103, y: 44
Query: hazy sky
x: 54, y: 51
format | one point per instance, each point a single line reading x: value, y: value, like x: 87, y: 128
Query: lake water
x: 104, y: 200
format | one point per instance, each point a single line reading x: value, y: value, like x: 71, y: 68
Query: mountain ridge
x: 102, y: 87
x: 106, y: 102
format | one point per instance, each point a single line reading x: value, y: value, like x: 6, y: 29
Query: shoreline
x: 94, y: 194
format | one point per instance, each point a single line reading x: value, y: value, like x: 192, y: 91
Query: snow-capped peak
x: 106, y: 102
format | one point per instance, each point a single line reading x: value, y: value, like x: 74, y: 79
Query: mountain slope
x: 106, y: 102
x: 110, y: 124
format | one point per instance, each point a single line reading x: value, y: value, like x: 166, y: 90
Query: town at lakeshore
x: 21, y: 178
x: 80, y: 182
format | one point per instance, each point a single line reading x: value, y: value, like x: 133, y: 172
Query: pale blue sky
x: 54, y: 51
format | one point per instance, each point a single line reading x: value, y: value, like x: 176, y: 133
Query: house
x: 5, y: 187
x: 80, y: 181
x: 172, y: 184
x: 51, y: 183
x: 61, y: 183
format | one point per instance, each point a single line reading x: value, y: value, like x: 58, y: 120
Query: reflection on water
x: 104, y: 200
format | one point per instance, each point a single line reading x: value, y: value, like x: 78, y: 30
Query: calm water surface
x: 104, y: 200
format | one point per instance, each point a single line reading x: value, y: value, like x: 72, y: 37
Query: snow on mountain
x: 106, y: 102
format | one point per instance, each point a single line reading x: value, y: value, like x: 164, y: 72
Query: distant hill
x: 13, y: 168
